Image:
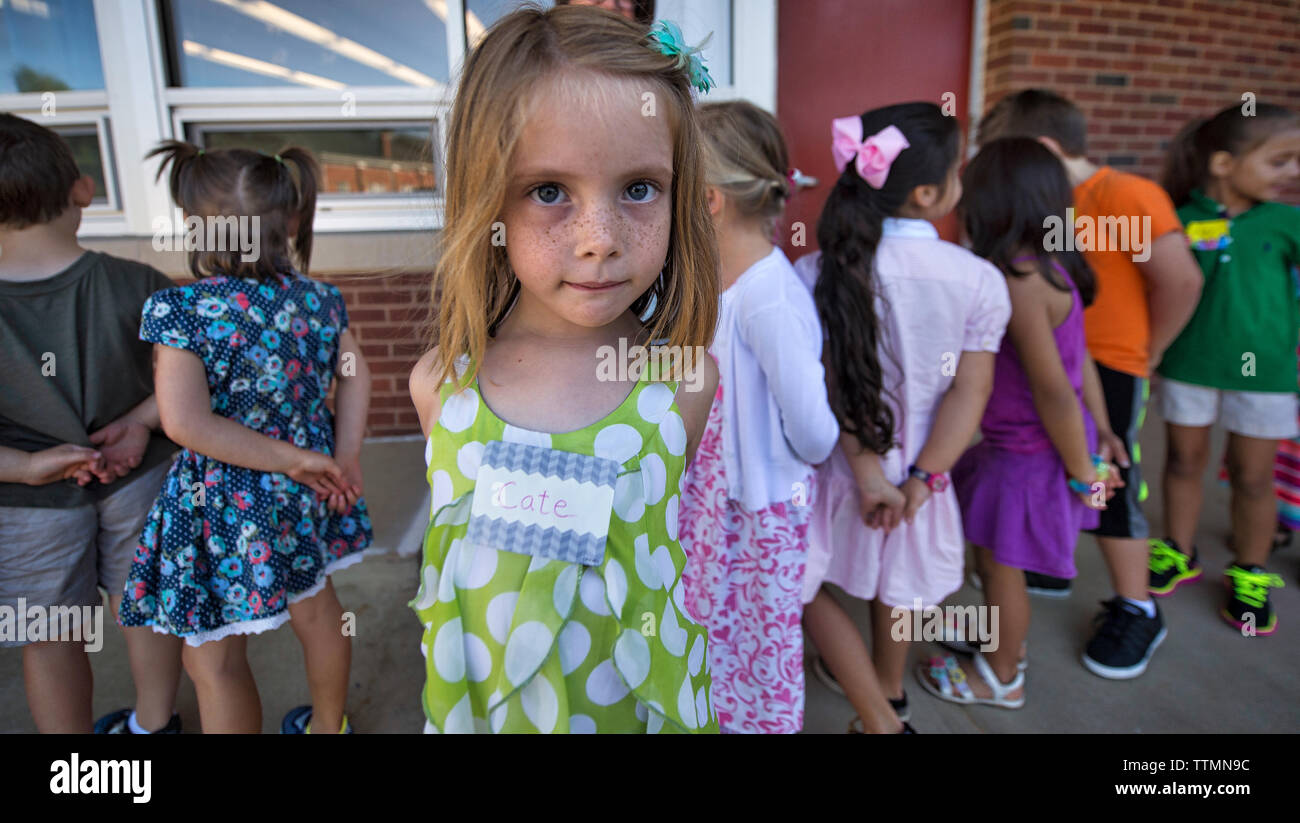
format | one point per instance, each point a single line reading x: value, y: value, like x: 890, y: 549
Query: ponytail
x: 849, y: 233
x: 308, y: 183
x: 1186, y: 163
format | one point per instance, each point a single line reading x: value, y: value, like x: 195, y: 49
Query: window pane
x: 84, y: 142
x: 49, y: 45
x: 317, y: 43
x: 375, y: 159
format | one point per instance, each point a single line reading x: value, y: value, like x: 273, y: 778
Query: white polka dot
x: 616, y: 586
x: 592, y: 590
x: 696, y: 660
x: 641, y: 711
x: 459, y: 411
x: 440, y: 489
x: 497, y: 716
x: 679, y: 597
x: 428, y: 451
x: 604, y: 686
x: 667, y: 570
x: 671, y: 634
x: 514, y: 434
x: 575, y: 643
x: 702, y: 708
x: 632, y: 655
x: 654, y: 400
x: 673, y: 433
x: 654, y: 478
x: 476, y: 565
x: 447, y: 585
x: 541, y: 706
x: 460, y: 720
x: 424, y: 648
x: 500, y: 613
x: 449, y: 652
x: 537, y: 564
x: 468, y: 459
x: 670, y: 517
x: 566, y: 585
x: 429, y: 728
x: 645, y: 566
x: 478, y: 660
x: 619, y: 442
x: 581, y: 724
x: 686, y: 704
x: 480, y: 726
x: 656, y: 720
x: 629, y: 499
x: 528, y: 646
x: 428, y: 588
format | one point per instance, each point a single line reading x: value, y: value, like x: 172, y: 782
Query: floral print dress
x: 225, y: 549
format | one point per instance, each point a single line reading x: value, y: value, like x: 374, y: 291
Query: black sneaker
x: 1044, y: 585
x: 1124, y: 642
x: 828, y: 680
x: 1170, y: 567
x: 1248, y: 609
x: 1037, y: 585
x: 118, y: 723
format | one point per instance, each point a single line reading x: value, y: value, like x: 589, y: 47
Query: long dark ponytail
x: 1232, y: 130
x: 848, y: 234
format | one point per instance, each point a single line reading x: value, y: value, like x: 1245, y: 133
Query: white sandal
x: 952, y: 685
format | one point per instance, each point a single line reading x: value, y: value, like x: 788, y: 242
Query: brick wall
x: 1140, y: 69
x: 387, y: 315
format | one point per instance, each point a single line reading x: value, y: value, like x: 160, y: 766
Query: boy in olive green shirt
x: 82, y: 456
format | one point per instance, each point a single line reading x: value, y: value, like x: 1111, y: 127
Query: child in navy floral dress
x: 263, y: 503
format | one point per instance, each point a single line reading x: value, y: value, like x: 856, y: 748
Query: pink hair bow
x: 874, y: 155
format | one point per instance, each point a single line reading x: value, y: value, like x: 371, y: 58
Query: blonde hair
x: 746, y: 158
x: 473, y: 286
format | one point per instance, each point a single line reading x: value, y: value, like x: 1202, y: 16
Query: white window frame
x: 137, y: 109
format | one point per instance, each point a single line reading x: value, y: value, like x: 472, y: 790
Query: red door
x: 836, y: 58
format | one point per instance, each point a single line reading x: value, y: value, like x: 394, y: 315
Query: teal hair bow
x: 668, y: 38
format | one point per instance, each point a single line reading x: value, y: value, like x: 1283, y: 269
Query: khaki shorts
x: 62, y: 557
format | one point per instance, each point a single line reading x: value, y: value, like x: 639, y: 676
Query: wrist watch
x: 934, y: 482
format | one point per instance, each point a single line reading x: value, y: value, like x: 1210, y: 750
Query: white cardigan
x: 776, y: 419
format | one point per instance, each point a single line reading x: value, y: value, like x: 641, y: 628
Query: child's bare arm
x: 955, y: 424
x: 185, y: 409
x: 47, y: 465
x: 1173, y: 288
x: 695, y: 402
x: 423, y: 385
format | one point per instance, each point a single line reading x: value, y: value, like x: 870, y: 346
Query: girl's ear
x: 924, y: 198
x: 716, y: 200
x: 1220, y: 164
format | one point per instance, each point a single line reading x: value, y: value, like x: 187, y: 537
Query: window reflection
x: 84, y: 142
x: 49, y: 45
x: 353, y: 160
x: 319, y: 43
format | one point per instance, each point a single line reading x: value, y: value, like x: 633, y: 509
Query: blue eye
x: 547, y: 193
x: 642, y: 191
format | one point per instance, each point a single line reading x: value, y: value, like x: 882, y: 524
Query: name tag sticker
x: 1207, y: 235
x: 543, y: 502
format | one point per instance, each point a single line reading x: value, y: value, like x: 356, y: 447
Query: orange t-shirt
x: 1117, y: 325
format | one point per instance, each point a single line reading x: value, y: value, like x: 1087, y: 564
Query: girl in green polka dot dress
x: 577, y: 230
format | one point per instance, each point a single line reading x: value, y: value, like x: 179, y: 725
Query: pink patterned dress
x: 744, y: 581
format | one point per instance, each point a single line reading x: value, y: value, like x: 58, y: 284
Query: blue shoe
x: 117, y: 723
x: 298, y: 721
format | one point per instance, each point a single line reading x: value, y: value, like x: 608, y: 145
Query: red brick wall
x: 387, y: 315
x: 1140, y: 69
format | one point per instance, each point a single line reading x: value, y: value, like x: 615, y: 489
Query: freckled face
x: 589, y: 200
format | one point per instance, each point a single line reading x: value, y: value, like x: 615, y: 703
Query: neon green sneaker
x: 1170, y: 568
x: 1248, y: 609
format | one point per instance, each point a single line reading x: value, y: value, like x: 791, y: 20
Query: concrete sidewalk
x: 1204, y: 678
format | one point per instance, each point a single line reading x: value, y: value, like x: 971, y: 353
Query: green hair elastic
x: 668, y: 39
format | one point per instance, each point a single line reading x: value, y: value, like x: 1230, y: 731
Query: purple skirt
x: 1019, y: 506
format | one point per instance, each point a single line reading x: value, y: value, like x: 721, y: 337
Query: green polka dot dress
x: 515, y: 643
